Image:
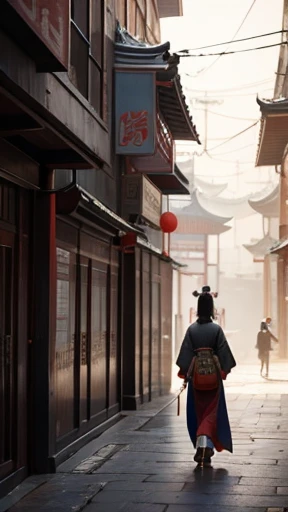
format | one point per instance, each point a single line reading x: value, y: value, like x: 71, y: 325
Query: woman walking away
x: 204, y: 360
x: 264, y: 346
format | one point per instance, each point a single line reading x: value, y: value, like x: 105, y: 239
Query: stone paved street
x: 145, y: 462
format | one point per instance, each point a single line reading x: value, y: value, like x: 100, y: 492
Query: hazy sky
x: 211, y: 22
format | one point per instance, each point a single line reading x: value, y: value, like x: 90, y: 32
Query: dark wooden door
x: 7, y: 382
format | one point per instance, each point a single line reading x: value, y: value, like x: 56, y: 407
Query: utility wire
x: 230, y: 95
x: 235, y: 35
x: 233, y: 52
x: 228, y: 161
x: 239, y: 88
x: 224, y: 115
x: 233, y: 136
x: 234, y: 150
x: 232, y: 41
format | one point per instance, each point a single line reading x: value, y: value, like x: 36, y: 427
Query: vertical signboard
x: 135, y: 112
x: 49, y: 20
x: 141, y: 197
x: 151, y: 202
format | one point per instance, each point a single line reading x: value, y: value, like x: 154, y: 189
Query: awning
x: 173, y: 183
x: 40, y: 138
x: 273, y: 132
x: 173, y: 106
x: 78, y: 203
x: 154, y: 250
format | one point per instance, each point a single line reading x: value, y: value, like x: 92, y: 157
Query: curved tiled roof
x: 261, y: 247
x: 238, y: 208
x: 133, y: 54
x: 209, y: 188
x: 269, y: 205
x: 195, y: 209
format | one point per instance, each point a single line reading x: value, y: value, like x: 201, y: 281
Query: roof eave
x: 190, y: 127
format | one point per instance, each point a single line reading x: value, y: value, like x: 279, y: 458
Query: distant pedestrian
x: 264, y: 346
x: 266, y: 324
x: 204, y: 360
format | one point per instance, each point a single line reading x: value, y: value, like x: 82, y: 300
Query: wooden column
x: 130, y: 334
x: 218, y: 264
x: 281, y: 307
x: 205, y: 259
x: 267, y: 286
x: 282, y: 262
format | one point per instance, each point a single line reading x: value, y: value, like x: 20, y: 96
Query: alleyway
x: 145, y: 462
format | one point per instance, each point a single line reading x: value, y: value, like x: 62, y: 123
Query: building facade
x: 69, y: 362
x: 273, y: 151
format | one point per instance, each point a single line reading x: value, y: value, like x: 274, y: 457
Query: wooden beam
x: 54, y: 159
x: 14, y: 125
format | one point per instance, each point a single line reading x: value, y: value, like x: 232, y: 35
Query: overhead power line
x: 235, y: 35
x: 233, y: 52
x: 226, y: 116
x: 228, y: 161
x: 233, y: 136
x: 234, y: 150
x: 239, y: 88
x: 232, y: 41
x: 224, y: 96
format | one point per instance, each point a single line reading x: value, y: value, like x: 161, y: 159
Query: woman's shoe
x: 203, y: 455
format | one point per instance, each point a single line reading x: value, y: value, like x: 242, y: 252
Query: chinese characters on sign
x: 133, y: 128
x: 141, y: 197
x: 151, y: 202
x: 50, y: 21
x: 135, y: 112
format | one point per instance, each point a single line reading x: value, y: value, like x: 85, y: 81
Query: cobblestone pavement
x: 145, y: 462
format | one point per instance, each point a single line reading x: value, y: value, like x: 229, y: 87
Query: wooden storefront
x: 53, y: 353
x: 146, y: 330
x: 86, y: 350
x: 15, y: 331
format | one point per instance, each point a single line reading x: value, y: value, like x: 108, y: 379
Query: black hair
x: 205, y: 309
x: 205, y: 289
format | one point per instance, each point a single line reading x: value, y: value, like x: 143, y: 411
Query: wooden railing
x: 164, y: 141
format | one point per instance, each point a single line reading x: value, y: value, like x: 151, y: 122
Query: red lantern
x: 168, y: 222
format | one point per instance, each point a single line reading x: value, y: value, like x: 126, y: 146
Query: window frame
x: 91, y: 59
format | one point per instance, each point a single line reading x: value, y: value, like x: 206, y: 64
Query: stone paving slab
x: 144, y: 463
x: 126, y: 507
x: 213, y: 508
x: 189, y: 498
x: 65, y: 493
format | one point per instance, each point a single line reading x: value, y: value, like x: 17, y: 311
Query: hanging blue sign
x: 135, y: 111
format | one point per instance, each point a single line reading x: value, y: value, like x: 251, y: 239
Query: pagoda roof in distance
x: 194, y: 219
x: 269, y: 204
x: 197, y: 211
x: 261, y: 247
x: 238, y: 207
x: 209, y: 188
